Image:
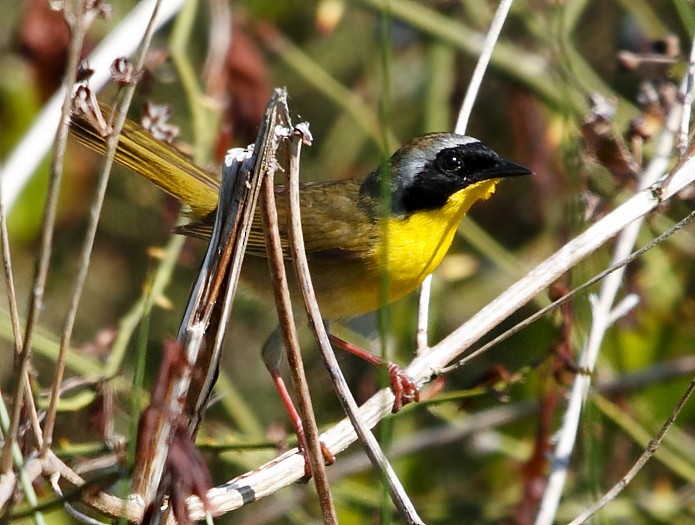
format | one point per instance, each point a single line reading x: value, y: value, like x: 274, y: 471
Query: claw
x: 404, y: 388
x: 328, y: 459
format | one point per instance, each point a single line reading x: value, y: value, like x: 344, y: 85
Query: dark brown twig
x: 307, y: 433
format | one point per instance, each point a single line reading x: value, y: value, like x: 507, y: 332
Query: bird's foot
x: 403, y: 387
x: 328, y: 459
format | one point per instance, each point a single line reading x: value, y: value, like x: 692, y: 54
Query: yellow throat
x: 416, y: 245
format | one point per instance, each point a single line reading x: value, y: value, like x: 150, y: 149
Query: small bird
x: 434, y: 180
x: 353, y: 240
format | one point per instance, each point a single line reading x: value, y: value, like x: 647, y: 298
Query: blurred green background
x: 359, y: 71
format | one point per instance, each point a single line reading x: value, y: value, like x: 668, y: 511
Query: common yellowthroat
x: 435, y: 179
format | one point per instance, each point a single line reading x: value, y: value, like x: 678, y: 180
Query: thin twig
x: 288, y: 331
x: 130, y: 508
x: 688, y: 91
x: 29, y: 404
x: 95, y: 212
x: 208, y: 309
x: 481, y: 67
x: 423, y: 316
x: 9, y: 278
x: 79, y: 29
x: 651, y: 449
x: 8, y: 480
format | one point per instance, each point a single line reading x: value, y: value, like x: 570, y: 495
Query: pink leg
x: 404, y: 388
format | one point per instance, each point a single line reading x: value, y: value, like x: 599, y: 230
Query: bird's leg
x: 404, y: 388
x: 272, y: 353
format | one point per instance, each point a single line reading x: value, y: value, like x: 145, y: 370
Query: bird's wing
x: 333, y: 223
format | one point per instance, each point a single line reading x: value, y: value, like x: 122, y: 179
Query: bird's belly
x: 346, y: 288
x: 343, y: 289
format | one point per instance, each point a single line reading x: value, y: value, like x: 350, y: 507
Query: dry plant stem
x: 29, y: 404
x: 288, y: 331
x: 209, y: 304
x: 26, y: 471
x: 379, y: 460
x: 108, y: 504
x: 79, y: 30
x: 602, y: 310
x: 423, y: 316
x: 241, y: 184
x: 149, y: 474
x: 9, y: 279
x: 95, y: 211
x: 653, y: 446
x: 461, y: 125
x: 481, y: 67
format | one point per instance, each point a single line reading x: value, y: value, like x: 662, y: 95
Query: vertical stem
x: 288, y: 332
x: 79, y: 28
x: 95, y: 211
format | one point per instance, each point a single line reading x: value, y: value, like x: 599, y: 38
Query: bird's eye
x: 450, y: 161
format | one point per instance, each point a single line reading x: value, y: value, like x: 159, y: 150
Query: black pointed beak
x: 503, y: 168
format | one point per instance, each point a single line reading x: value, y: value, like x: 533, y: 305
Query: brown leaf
x: 42, y: 39
x: 245, y: 87
x: 602, y: 143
